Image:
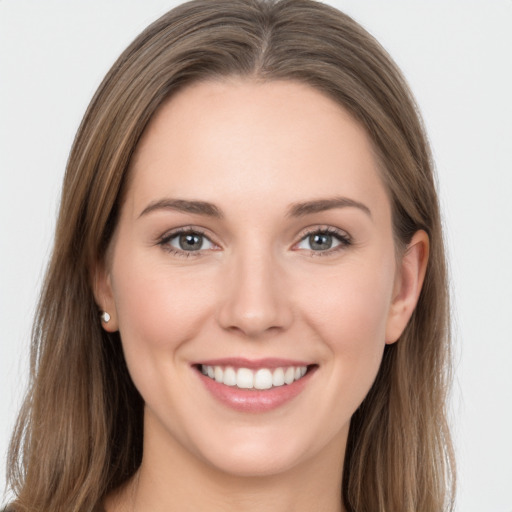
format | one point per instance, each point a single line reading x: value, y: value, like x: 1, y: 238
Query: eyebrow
x: 183, y: 205
x: 321, y: 205
x: 295, y: 210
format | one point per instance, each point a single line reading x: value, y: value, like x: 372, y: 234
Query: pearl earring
x: 105, y: 317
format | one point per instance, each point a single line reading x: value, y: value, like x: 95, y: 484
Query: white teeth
x: 289, y: 375
x: 263, y: 378
x: 229, y: 376
x: 218, y: 373
x: 278, y: 377
x: 245, y: 378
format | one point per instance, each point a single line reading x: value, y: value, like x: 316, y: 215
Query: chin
x: 255, y: 460
x: 269, y: 451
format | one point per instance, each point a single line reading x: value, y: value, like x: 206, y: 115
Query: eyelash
x: 343, y: 239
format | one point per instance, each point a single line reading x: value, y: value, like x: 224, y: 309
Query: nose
x: 254, y: 299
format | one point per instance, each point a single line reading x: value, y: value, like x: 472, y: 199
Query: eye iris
x: 191, y: 242
x: 320, y: 241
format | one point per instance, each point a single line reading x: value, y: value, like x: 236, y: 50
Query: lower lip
x: 253, y: 400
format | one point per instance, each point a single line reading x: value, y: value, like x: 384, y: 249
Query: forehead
x: 253, y: 139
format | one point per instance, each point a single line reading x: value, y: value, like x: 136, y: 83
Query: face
x: 255, y: 246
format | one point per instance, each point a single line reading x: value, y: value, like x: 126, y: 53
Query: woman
x: 247, y: 294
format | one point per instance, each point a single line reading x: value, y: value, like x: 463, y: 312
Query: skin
x: 256, y: 289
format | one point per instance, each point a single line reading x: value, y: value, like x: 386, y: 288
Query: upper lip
x: 240, y: 362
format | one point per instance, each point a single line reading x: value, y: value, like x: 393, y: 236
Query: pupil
x: 320, y: 241
x: 191, y: 242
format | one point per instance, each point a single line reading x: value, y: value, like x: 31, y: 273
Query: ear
x: 408, y: 283
x: 104, y: 296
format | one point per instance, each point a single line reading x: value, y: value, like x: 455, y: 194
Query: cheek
x: 158, y: 306
x: 354, y: 302
x: 350, y: 315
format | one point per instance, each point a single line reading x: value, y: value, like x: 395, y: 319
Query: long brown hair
x: 79, y: 434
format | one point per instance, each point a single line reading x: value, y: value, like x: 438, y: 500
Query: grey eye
x: 191, y: 241
x: 322, y: 241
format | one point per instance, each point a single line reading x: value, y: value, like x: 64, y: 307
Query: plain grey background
x: 457, y: 56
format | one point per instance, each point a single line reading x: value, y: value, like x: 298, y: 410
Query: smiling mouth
x: 256, y: 379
